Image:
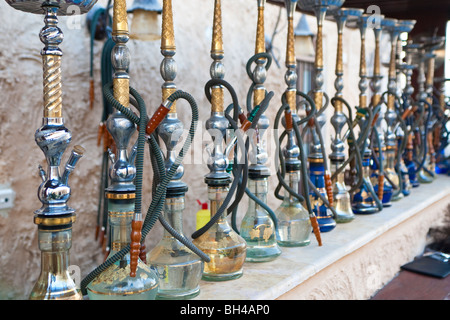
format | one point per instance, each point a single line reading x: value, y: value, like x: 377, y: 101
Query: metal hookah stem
x: 51, y: 58
x: 318, y: 62
x: 376, y: 78
x: 362, y: 68
x: 217, y: 53
x: 259, y: 73
x: 168, y: 50
x: 121, y: 88
x: 120, y: 34
x: 291, y: 63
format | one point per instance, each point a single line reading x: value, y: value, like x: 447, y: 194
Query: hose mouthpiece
x: 158, y: 117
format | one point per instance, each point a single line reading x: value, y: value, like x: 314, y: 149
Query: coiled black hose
x: 237, y: 172
x: 158, y: 199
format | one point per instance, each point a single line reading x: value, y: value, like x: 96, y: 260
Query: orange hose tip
x: 156, y: 119
x: 316, y: 230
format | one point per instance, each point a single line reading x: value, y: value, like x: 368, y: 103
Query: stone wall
x: 21, y: 114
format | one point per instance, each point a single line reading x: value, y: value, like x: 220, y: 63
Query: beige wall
x: 21, y: 112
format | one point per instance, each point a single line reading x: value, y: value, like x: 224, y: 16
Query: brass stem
x: 120, y: 34
x: 217, y: 52
x: 168, y: 49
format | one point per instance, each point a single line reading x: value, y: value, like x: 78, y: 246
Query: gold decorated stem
x: 363, y: 72
x: 217, y: 37
x: 217, y: 97
x: 260, y: 47
x: 258, y: 95
x: 339, y: 71
x: 260, y: 44
x: 168, y: 49
x: 52, y: 86
x: 291, y: 100
x: 120, y: 21
x: 392, y: 76
x: 217, y: 93
x: 167, y: 33
x: 166, y: 92
x: 318, y: 64
x: 377, y: 64
x: 392, y: 70
x: 290, y: 48
x: 120, y: 34
x: 318, y: 99
x: 339, y: 62
x: 429, y: 79
x: 121, y: 91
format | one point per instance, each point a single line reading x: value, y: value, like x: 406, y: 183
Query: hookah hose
x: 401, y: 148
x: 159, y: 197
x: 242, y: 169
x: 253, y: 118
x: 255, y: 57
x: 304, y: 170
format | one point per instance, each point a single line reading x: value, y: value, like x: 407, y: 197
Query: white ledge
x: 271, y: 280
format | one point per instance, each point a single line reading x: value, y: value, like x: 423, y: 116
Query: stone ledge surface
x: 271, y: 280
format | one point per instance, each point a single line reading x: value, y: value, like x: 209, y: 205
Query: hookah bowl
x: 55, y: 218
x: 317, y: 176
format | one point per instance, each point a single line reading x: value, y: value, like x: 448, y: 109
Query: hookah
x: 341, y: 197
x: 430, y: 45
x: 385, y: 148
x: 411, y: 51
x: 377, y: 143
x: 55, y: 218
x: 126, y: 278
x: 421, y: 156
x: 295, y: 222
x: 318, y: 166
x: 258, y: 227
x: 404, y: 187
x: 179, y: 268
x: 224, y: 246
x: 124, y: 274
x: 364, y: 200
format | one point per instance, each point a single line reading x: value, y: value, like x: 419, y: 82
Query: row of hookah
x: 173, y: 269
x: 391, y: 154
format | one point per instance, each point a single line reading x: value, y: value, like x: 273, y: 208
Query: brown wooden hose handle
x: 431, y: 149
x: 380, y: 186
x: 316, y: 229
x: 288, y: 119
x: 143, y: 253
x: 91, y: 95
x: 407, y: 112
x: 156, y: 119
x: 409, y: 147
x: 329, y: 187
x: 245, y: 123
x: 135, y: 245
